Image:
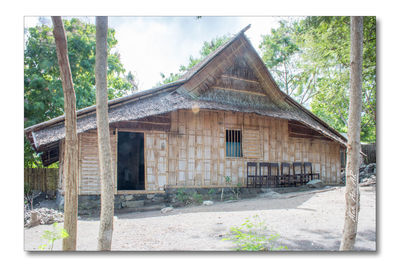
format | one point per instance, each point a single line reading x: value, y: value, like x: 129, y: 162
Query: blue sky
x: 151, y: 45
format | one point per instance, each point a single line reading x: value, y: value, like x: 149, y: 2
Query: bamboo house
x: 223, y: 113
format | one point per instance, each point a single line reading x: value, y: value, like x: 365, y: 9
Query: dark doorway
x: 130, y: 161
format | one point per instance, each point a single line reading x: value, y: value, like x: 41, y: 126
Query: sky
x: 149, y: 46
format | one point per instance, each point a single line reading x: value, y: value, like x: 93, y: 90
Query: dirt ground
x: 305, y: 221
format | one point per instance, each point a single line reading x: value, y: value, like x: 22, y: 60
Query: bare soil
x: 305, y: 221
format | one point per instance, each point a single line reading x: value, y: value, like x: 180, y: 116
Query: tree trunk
x: 71, y: 138
x: 103, y: 132
x: 353, y: 146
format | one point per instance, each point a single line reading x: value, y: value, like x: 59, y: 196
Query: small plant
x: 234, y: 189
x: 50, y: 236
x: 182, y: 196
x: 197, y: 198
x: 253, y: 235
x: 211, y: 192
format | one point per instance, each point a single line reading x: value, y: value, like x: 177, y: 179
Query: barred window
x: 233, y: 143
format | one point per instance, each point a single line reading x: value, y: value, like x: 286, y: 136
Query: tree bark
x: 353, y: 146
x: 103, y: 133
x: 71, y: 138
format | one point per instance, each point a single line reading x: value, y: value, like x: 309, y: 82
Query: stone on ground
x: 208, y: 203
x: 167, y: 209
x: 42, y: 216
x: 315, y: 184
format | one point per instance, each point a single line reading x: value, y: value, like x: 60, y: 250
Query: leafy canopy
x: 310, y: 60
x: 43, y: 95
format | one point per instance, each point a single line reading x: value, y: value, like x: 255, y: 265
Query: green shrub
x: 50, y: 236
x: 197, y: 198
x: 211, y: 192
x: 182, y: 196
x: 253, y: 235
x: 235, y: 189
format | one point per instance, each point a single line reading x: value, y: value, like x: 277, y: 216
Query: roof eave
x: 111, y: 103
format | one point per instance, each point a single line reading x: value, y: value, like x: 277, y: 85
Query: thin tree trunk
x: 353, y: 146
x: 103, y: 132
x: 71, y: 138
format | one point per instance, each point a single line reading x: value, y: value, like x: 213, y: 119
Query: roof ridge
x: 200, y: 65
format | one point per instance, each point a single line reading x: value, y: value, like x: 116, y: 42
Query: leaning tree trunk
x: 71, y: 138
x: 103, y: 132
x: 353, y: 146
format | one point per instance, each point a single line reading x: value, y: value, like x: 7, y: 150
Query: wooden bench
x: 269, y: 174
x: 308, y: 172
x: 252, y: 176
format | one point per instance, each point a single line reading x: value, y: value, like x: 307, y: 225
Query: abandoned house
x: 223, y: 113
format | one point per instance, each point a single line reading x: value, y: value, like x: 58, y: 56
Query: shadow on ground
x: 240, y: 205
x: 321, y: 240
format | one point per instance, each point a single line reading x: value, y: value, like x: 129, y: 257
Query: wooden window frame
x: 240, y: 136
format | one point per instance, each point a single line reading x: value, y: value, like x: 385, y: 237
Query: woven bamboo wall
x: 42, y: 179
x: 197, y: 148
x: 88, y: 179
x: 156, y: 157
x: 192, y: 153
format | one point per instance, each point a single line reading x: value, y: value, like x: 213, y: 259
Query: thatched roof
x: 232, y: 78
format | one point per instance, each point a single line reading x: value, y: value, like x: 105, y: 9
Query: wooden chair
x: 269, y: 174
x: 252, y: 176
x: 285, y: 177
x: 308, y: 173
x: 264, y: 174
x: 274, y: 173
x: 298, y: 174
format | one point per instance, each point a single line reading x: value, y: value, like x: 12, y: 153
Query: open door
x: 130, y: 161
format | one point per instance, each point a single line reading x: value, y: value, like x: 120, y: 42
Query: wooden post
x: 103, y: 132
x: 353, y: 146
x: 71, y: 138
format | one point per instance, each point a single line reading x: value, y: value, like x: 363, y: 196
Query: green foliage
x: 253, y: 235
x: 187, y: 199
x: 50, y: 236
x: 207, y: 48
x: 197, y: 198
x: 182, y: 196
x: 43, y: 94
x: 211, y: 192
x: 279, y: 52
x: 235, y: 189
x: 310, y: 60
x: 329, y: 38
x: 171, y: 78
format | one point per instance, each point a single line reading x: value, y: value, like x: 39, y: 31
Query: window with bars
x: 234, y: 143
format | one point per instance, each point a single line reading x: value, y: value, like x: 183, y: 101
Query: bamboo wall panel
x: 251, y: 143
x: 197, y: 154
x: 156, y: 160
x: 42, y: 179
x: 89, y: 176
x: 193, y: 152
